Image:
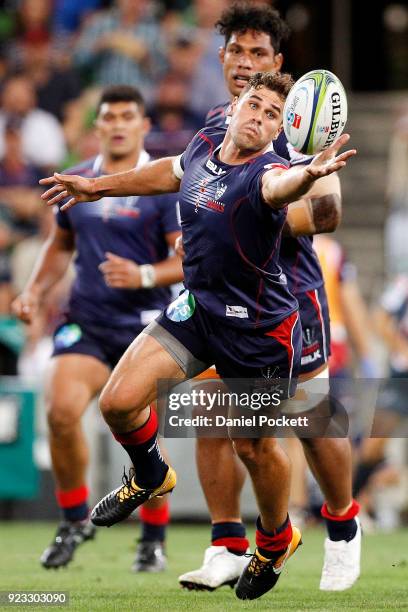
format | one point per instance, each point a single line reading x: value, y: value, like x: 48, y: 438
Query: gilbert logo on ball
x: 315, y: 111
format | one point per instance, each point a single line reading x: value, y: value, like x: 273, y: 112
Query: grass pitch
x: 100, y: 578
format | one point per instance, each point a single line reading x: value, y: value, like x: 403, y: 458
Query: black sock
x: 231, y: 535
x: 143, y: 449
x: 342, y: 527
x: 341, y: 530
x: 153, y: 533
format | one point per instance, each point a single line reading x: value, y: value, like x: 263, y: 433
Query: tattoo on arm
x: 315, y: 215
x: 326, y: 212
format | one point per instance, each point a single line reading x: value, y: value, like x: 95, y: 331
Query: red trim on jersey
x: 220, y: 110
x: 155, y: 516
x: 312, y: 297
x: 74, y: 497
x: 209, y: 142
x: 277, y: 166
x: 350, y: 514
x: 140, y: 435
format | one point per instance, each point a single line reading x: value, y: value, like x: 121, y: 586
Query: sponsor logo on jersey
x: 311, y: 350
x: 214, y: 168
x: 236, y: 311
x: 221, y: 189
x: 213, y: 205
x: 182, y: 308
x: 67, y: 335
x: 270, y: 372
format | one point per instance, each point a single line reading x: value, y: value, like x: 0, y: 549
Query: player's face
x: 121, y: 128
x: 245, y: 54
x: 256, y: 119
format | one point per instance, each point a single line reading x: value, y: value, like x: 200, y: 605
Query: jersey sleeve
x: 62, y: 218
x: 196, y: 142
x: 168, y: 210
x: 216, y: 117
x: 255, y: 186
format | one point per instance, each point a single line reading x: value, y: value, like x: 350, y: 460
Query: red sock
x: 155, y: 516
x: 154, y: 522
x: 347, y: 516
x: 73, y: 503
x: 270, y: 543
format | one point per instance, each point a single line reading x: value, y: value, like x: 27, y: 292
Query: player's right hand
x: 76, y: 188
x: 25, y: 307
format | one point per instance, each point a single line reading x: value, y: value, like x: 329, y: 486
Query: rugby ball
x: 315, y: 112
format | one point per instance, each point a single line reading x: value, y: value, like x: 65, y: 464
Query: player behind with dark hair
x: 253, y: 37
x: 236, y: 311
x: 123, y: 273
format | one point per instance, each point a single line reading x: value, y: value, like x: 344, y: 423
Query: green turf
x: 100, y: 577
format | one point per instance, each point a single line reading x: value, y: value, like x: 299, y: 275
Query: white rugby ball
x: 315, y: 111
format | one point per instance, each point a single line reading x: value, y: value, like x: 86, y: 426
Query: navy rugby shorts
x: 197, y: 340
x: 104, y: 343
x: 314, y: 317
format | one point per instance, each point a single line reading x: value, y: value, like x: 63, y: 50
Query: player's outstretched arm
x: 279, y: 188
x: 154, y: 178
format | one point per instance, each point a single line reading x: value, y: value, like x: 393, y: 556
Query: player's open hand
x: 76, y: 188
x: 120, y: 273
x: 328, y: 161
x: 25, y: 307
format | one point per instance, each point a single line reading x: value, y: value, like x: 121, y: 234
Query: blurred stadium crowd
x: 55, y: 56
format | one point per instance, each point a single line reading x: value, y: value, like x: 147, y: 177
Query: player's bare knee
x: 117, y: 405
x: 61, y: 419
x: 246, y: 449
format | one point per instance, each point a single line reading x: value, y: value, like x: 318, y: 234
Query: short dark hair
x: 244, y: 16
x: 121, y: 93
x: 281, y: 82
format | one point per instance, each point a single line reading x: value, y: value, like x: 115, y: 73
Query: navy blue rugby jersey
x: 231, y: 237
x: 297, y: 255
x: 131, y: 227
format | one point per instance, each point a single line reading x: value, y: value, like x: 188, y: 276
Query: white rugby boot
x: 341, y: 566
x: 220, y: 567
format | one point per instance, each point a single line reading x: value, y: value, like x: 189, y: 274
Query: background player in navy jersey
x: 236, y: 311
x: 253, y: 36
x: 123, y: 270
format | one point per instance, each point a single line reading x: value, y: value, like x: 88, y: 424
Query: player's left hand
x: 120, y: 273
x: 328, y: 161
x: 76, y: 188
